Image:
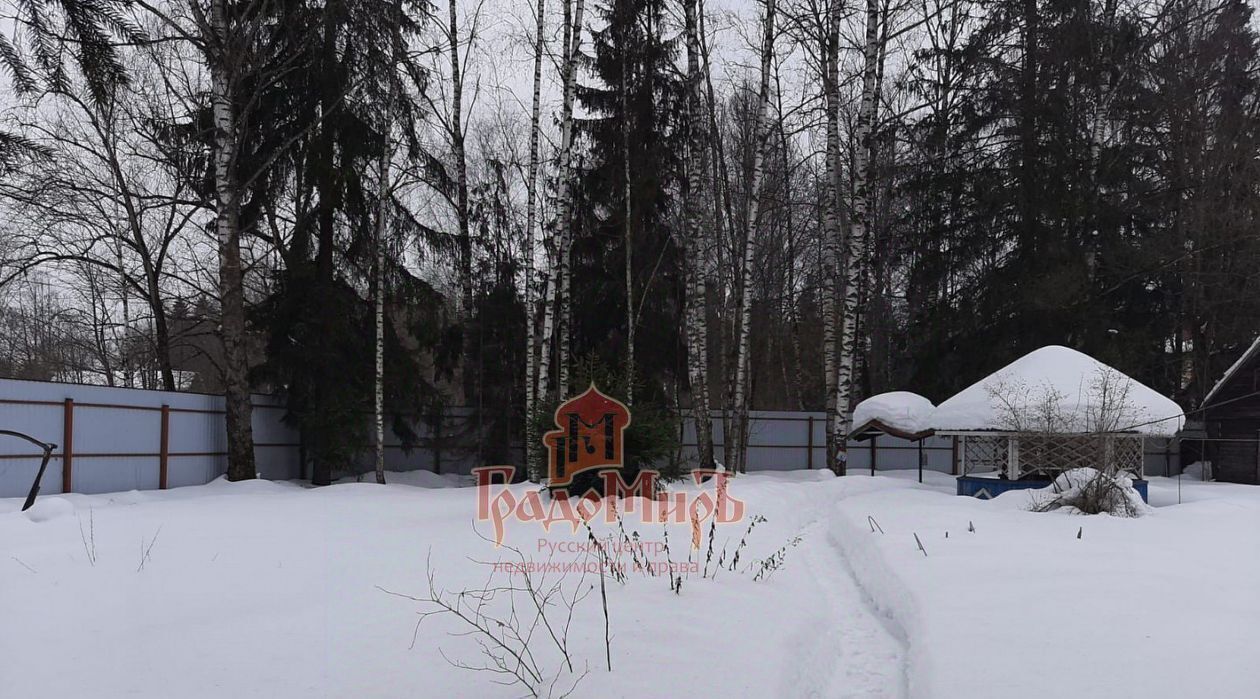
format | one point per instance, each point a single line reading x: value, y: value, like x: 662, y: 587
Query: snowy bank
x: 1162, y: 606
x: 275, y: 590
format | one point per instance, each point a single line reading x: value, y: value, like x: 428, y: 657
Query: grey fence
x: 116, y: 439
x: 112, y: 439
x: 789, y: 440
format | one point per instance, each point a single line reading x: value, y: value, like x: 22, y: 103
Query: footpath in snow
x: 1160, y: 606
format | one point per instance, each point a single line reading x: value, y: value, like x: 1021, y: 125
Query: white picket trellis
x: 1017, y: 454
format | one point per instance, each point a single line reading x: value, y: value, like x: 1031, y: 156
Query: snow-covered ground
x: 272, y: 589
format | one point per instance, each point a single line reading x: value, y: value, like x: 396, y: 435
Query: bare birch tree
x: 698, y: 203
x: 227, y: 57
x: 383, y: 195
x: 855, y: 252
x: 817, y: 25
x: 760, y: 143
x: 242, y: 64
x: 564, y: 222
x: 832, y: 232
x: 532, y: 387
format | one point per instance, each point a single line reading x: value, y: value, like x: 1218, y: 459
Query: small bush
x: 1089, y: 491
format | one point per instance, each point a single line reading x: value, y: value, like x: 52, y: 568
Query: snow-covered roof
x: 1233, y: 369
x: 1058, y: 389
x: 901, y: 410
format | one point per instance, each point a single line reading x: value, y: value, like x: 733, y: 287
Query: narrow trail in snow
x: 850, y: 649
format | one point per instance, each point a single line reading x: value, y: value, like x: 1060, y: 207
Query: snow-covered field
x: 275, y: 590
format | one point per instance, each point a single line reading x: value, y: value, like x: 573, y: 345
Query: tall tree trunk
x: 697, y: 204
x: 533, y: 464
x: 327, y: 186
x: 383, y: 196
x: 723, y: 218
x: 761, y: 144
x: 238, y: 409
x: 124, y: 349
x: 1028, y: 130
x: 629, y: 226
x: 461, y: 207
x: 550, y: 294
x: 564, y: 303
x: 557, y: 226
x: 565, y: 216
x: 829, y: 266
x: 162, y: 340
x: 855, y: 254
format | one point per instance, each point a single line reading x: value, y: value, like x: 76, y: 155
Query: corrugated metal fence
x: 112, y: 439
x: 115, y: 439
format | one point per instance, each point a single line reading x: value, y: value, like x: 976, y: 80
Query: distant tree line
x: 792, y: 206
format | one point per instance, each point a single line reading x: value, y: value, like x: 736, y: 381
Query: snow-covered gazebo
x: 1052, y: 410
x: 899, y: 413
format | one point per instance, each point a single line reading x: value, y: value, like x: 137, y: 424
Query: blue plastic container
x: 987, y: 488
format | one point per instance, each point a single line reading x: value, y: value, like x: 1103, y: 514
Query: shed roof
x: 1073, y: 386
x: 1246, y: 358
x: 899, y: 413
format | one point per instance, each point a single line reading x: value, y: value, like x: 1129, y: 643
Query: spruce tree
x: 632, y: 167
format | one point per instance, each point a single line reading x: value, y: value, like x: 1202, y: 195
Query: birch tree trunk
x: 383, y: 194
x: 548, y: 332
x: 723, y: 218
x: 761, y: 143
x: 854, y: 255
x: 565, y: 215
x: 378, y: 313
x: 1103, y: 95
x: 238, y: 409
x: 563, y: 301
x: 697, y: 203
x: 532, y: 453
x: 832, y: 232
x: 551, y: 281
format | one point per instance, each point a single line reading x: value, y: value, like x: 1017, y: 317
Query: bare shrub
x: 508, y: 618
x: 1090, y: 492
x: 1087, y: 447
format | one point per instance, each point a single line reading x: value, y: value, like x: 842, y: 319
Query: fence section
x: 115, y: 439
x: 112, y: 439
x: 789, y: 440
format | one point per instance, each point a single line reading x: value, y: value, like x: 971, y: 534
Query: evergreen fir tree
x: 636, y: 100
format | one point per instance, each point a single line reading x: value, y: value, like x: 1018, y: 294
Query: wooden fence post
x: 164, y: 451
x: 67, y: 446
x: 809, y: 440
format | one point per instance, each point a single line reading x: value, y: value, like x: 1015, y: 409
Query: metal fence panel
x: 117, y: 441
x: 17, y: 474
